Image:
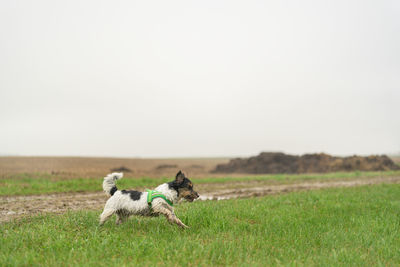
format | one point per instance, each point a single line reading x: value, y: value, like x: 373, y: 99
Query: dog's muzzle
x: 192, y: 196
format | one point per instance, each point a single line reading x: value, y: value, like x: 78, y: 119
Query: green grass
x: 30, y: 184
x: 354, y: 226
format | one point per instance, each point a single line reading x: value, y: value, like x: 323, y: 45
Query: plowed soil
x: 73, y: 167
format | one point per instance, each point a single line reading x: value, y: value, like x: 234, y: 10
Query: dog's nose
x: 197, y: 195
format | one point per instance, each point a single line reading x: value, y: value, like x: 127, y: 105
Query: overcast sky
x: 199, y: 78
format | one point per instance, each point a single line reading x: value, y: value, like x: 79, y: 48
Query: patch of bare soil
x: 286, y: 188
x: 18, y: 206
x: 268, y: 162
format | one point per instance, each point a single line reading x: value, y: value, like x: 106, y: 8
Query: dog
x: 125, y: 203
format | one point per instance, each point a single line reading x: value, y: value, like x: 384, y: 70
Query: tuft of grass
x: 352, y: 226
x: 42, y: 183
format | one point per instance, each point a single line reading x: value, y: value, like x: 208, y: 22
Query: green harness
x: 152, y: 194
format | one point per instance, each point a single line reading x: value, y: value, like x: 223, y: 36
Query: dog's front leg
x: 177, y: 220
x: 170, y: 215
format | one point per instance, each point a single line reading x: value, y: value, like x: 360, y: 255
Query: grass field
x: 354, y: 226
x: 42, y: 183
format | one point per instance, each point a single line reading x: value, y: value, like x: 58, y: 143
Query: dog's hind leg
x: 107, y: 213
x: 121, y: 217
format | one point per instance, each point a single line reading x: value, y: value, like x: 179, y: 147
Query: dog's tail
x: 109, y: 182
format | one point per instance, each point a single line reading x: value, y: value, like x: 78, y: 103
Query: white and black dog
x: 125, y: 203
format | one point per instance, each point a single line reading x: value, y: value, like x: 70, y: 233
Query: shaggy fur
x: 125, y: 203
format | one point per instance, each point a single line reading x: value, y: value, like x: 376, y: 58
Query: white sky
x: 199, y: 78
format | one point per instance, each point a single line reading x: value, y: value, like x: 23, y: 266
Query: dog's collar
x: 152, y: 194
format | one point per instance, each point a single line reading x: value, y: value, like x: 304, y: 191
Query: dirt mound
x: 268, y: 162
x: 166, y: 166
x: 120, y: 169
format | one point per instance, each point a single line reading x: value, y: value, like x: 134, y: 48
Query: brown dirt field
x: 73, y: 167
x: 12, y: 207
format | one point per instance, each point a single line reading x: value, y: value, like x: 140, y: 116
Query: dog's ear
x: 180, y: 176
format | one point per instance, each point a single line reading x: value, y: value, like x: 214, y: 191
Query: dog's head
x: 184, y: 187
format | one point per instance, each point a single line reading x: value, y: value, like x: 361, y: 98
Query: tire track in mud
x: 12, y: 207
x: 287, y: 188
